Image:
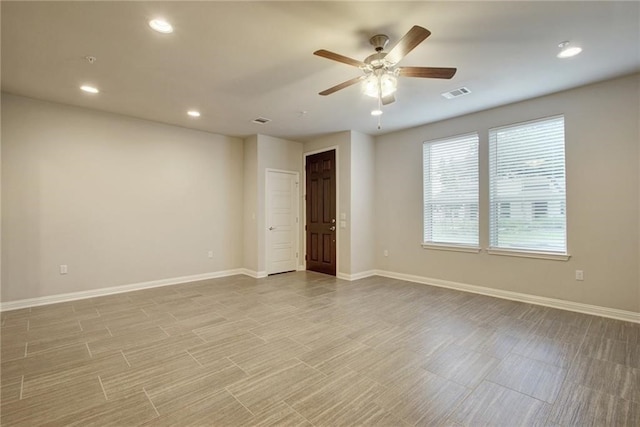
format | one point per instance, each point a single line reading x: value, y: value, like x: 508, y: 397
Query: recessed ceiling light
x: 376, y: 112
x: 193, y: 113
x: 161, y: 26
x: 89, y: 89
x: 567, y: 50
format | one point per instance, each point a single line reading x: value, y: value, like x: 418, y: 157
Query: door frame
x: 267, y: 205
x: 304, y: 204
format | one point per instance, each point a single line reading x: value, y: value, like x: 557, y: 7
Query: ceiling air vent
x: 261, y: 120
x: 456, y: 93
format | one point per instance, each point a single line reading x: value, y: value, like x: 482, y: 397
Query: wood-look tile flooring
x: 308, y: 349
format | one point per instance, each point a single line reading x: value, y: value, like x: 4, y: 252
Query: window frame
x: 494, y: 212
x: 451, y: 246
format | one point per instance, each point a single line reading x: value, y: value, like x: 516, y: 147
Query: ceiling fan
x: 380, y: 71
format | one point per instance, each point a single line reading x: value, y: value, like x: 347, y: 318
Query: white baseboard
x: 302, y: 267
x: 253, y: 273
x: 72, y: 296
x: 628, y: 316
x: 356, y: 276
x: 612, y: 313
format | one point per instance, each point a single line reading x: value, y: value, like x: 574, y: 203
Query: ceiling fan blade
x: 428, y: 72
x: 341, y: 86
x: 386, y: 100
x: 340, y: 58
x: 413, y: 38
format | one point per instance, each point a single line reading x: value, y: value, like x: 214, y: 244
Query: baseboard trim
x: 301, y: 267
x: 356, y: 276
x: 253, y: 273
x: 73, y: 296
x: 628, y: 316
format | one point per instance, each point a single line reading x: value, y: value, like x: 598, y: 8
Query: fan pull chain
x: 379, y: 102
x: 380, y: 109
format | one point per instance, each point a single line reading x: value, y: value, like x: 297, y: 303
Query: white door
x: 282, y: 221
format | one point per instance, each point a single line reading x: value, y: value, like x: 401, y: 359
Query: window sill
x: 529, y: 254
x: 453, y: 248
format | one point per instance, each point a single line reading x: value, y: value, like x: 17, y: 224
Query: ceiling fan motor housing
x: 376, y: 61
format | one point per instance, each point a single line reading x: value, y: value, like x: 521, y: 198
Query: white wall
x: 603, y: 196
x: 362, y: 203
x: 341, y: 140
x: 282, y: 154
x: 119, y: 200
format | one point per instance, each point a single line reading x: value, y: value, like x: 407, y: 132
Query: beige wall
x: 362, y: 203
x: 602, y: 155
x: 356, y: 191
x: 123, y: 201
x: 119, y: 200
x: 281, y: 154
x: 250, y: 167
x: 342, y: 142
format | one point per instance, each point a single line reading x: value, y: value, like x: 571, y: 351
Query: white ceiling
x: 235, y: 61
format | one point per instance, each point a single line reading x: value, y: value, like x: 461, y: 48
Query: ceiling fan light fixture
x: 567, y: 50
x: 380, y: 75
x: 380, y: 86
x: 161, y: 26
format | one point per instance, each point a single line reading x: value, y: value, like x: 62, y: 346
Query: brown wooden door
x: 321, y: 212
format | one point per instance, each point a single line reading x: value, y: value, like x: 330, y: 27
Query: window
x: 451, y: 191
x: 540, y: 209
x: 504, y: 210
x: 527, y: 174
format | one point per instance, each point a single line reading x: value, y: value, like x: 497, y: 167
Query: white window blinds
x: 451, y: 190
x: 527, y: 186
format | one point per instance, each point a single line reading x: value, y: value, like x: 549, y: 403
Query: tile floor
x: 308, y: 349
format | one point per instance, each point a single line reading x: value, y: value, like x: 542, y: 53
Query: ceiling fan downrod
x: 379, y: 42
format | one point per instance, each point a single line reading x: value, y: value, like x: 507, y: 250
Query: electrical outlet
x: 386, y: 252
x: 63, y: 269
x: 579, y: 275
x: 210, y: 254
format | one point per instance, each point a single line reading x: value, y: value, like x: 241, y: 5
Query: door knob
x: 271, y: 228
x: 332, y: 228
